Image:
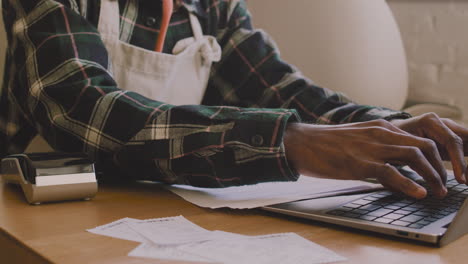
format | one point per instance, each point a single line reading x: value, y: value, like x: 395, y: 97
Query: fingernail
x: 421, y: 192
x: 444, y: 192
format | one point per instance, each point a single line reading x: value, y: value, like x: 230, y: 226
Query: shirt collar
x: 195, y: 6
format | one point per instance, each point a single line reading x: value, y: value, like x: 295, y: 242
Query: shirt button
x: 150, y: 21
x: 257, y: 140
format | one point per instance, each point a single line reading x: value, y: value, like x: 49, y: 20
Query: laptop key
x: 382, y: 194
x: 352, y: 205
x: 392, y: 207
x: 383, y: 220
x: 402, y: 212
x: 400, y: 223
x: 458, y: 199
x: 458, y: 189
x: 369, y: 207
x: 430, y: 219
x: 421, y: 213
x: 418, y: 226
x: 394, y: 216
x: 401, y: 204
x: 360, y: 211
x: 411, y: 218
x: 381, y: 203
x: 362, y: 202
x: 438, y: 216
x: 380, y: 212
x: 423, y: 222
x: 370, y: 198
x: 426, y: 210
x: 351, y: 215
x: 367, y: 217
x: 411, y: 209
x: 336, y: 212
x: 444, y: 212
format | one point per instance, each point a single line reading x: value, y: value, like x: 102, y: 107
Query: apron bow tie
x: 208, y: 47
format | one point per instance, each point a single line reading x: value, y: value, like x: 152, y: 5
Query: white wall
x: 436, y: 41
x: 351, y: 46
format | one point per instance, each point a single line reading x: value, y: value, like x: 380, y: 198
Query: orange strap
x: 167, y: 8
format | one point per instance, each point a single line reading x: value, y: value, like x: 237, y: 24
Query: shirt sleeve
x: 264, y: 80
x: 62, y: 85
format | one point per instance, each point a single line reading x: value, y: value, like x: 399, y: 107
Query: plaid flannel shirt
x: 57, y: 84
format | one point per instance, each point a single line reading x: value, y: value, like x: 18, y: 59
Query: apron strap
x: 196, y: 27
x: 209, y: 49
x: 109, y: 19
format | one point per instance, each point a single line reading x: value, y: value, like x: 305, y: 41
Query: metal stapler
x: 47, y: 177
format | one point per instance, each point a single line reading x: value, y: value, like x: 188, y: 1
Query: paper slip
x: 285, y: 248
x: 163, y: 231
x: 149, y: 250
x: 119, y: 229
x: 253, y: 196
x: 170, y: 231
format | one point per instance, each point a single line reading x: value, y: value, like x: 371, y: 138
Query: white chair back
x: 351, y: 46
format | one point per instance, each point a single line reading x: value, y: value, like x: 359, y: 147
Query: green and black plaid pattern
x: 57, y: 83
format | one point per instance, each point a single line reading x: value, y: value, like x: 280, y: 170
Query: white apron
x: 179, y: 78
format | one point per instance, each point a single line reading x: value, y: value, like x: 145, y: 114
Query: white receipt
x: 170, y: 230
x: 262, y: 194
x: 119, y: 229
x: 285, y: 248
x: 149, y: 250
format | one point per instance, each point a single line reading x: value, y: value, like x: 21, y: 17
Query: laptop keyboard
x: 389, y: 208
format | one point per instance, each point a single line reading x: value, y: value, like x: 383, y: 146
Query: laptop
x: 431, y: 220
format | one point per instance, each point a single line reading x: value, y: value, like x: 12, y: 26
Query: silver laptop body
x: 447, y: 227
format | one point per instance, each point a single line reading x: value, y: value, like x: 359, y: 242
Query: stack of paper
x: 268, y: 193
x: 176, y: 238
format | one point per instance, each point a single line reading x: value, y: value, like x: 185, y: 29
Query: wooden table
x: 55, y: 232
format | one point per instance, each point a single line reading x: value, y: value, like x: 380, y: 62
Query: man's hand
x: 448, y: 136
x: 366, y: 150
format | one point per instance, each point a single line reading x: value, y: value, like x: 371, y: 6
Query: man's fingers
x: 414, y: 157
x: 458, y: 129
x: 451, y: 143
x: 429, y: 148
x: 389, y: 177
x: 462, y: 132
x: 421, y: 154
x: 454, y: 148
x: 408, y: 148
